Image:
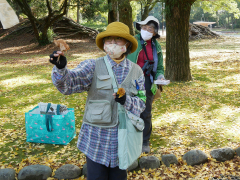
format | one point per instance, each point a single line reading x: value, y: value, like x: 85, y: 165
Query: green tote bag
x: 130, y: 138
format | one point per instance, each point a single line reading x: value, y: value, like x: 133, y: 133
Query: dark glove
x: 120, y: 100
x: 62, y: 60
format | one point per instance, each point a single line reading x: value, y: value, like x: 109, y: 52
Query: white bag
x: 8, y: 17
x: 53, y: 109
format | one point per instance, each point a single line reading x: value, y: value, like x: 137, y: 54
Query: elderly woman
x: 98, y: 137
x: 149, y: 57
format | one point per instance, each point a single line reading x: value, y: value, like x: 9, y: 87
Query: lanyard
x: 110, y: 71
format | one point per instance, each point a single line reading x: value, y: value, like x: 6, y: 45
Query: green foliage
x: 96, y: 25
x: 136, y: 10
x: 48, y: 39
x: 51, y: 34
x: 197, y: 14
x: 221, y: 5
x: 92, y: 10
x: 136, y: 31
x: 39, y: 8
x: 223, y: 14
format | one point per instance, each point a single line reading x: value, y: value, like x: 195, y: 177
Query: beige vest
x: 101, y: 108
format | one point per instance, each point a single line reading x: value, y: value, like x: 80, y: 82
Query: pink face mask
x: 115, y: 50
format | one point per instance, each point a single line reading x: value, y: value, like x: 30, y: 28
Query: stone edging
x: 69, y: 171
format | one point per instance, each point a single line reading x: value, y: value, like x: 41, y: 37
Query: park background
x: 201, y: 113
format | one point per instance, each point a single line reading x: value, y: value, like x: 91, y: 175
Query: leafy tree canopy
x: 211, y: 6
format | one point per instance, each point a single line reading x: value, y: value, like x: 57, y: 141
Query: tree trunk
x: 150, y: 4
x: 217, y: 18
x: 49, y: 20
x: 228, y: 22
x: 112, y: 11
x: 67, y: 10
x: 162, y: 19
x: 44, y: 38
x: 145, y: 12
x: 125, y: 14
x: 232, y: 18
x: 177, y: 47
x: 17, y: 8
x: 35, y: 29
x: 78, y: 12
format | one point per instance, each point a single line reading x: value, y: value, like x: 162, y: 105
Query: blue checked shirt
x: 98, y: 144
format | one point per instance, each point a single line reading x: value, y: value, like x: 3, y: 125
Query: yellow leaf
x: 14, y: 136
x: 41, y: 147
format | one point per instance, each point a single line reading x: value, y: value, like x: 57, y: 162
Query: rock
x: 168, y: 159
x: 223, y: 154
x: 84, y: 170
x: 148, y: 162
x: 195, y: 157
x: 36, y: 172
x: 7, y: 174
x: 238, y: 151
x: 68, y: 171
x: 133, y: 166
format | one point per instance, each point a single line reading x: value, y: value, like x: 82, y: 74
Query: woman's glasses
x: 148, y: 28
x: 117, y: 40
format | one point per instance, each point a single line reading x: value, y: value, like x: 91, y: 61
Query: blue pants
x: 96, y: 171
x: 146, y: 115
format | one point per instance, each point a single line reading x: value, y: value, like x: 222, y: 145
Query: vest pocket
x: 133, y: 88
x: 104, y: 82
x: 99, y: 112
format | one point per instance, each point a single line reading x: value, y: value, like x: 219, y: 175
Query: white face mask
x: 115, y: 50
x: 146, y: 35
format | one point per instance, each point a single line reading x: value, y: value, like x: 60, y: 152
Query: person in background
x: 98, y: 137
x: 150, y: 58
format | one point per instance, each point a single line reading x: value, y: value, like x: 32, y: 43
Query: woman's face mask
x: 146, y: 35
x: 115, y: 50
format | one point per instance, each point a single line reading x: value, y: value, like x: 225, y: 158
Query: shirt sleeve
x: 76, y: 80
x: 134, y: 104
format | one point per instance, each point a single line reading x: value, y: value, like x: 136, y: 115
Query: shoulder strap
x: 115, y: 87
x: 110, y: 71
x: 144, y: 47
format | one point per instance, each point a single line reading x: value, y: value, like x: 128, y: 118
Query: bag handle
x: 114, y: 83
x: 49, y: 121
x: 58, y: 109
x: 48, y: 107
x: 110, y: 71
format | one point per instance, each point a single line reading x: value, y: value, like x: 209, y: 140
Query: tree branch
x: 49, y: 7
x: 64, y: 4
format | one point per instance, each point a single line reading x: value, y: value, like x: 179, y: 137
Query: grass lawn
x: 200, y: 114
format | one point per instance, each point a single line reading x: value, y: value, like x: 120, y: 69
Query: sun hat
x: 117, y: 29
x: 147, y: 20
